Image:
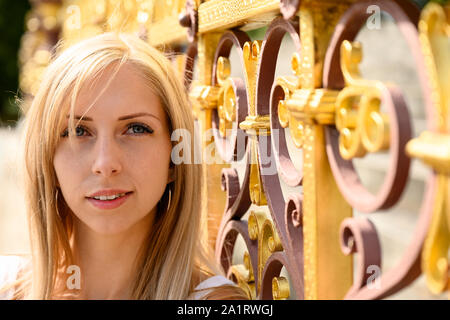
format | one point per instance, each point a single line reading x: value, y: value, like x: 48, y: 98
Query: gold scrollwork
x: 254, y: 124
x: 255, y: 223
x: 362, y: 126
x: 280, y: 288
x: 433, y: 148
x: 261, y: 228
x: 248, y: 267
x: 244, y: 278
x: 243, y: 273
x: 257, y: 195
x: 203, y: 97
x: 289, y: 84
x: 435, y: 251
x: 226, y: 103
x: 251, y: 52
x: 300, y: 106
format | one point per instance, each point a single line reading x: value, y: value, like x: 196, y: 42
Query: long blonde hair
x: 174, y: 259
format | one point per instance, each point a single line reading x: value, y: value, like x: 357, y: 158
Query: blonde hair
x: 174, y: 259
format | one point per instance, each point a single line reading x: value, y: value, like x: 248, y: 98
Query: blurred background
x: 12, y: 26
x: 386, y: 57
x: 13, y: 228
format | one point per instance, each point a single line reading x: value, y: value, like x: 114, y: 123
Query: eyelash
x: 147, y: 129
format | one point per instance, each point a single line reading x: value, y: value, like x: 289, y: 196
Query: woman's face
x: 116, y: 171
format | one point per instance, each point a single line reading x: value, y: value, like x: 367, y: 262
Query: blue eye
x: 138, y: 129
x: 79, y: 132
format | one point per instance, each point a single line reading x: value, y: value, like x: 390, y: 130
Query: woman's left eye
x: 138, y: 129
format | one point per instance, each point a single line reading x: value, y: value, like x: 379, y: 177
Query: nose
x: 107, y: 158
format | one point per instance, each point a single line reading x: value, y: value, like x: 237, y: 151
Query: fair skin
x: 122, y: 145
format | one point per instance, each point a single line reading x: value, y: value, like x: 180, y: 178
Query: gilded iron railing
x: 331, y: 112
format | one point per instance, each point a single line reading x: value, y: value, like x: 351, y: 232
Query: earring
x: 170, y: 198
x: 56, y: 203
x: 166, y: 199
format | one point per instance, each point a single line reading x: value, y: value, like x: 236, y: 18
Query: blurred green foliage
x: 422, y: 3
x: 12, y: 15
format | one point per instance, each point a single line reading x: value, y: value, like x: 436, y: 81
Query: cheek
x: 67, y: 168
x: 149, y: 166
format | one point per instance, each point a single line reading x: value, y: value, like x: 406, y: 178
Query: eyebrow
x: 127, y: 117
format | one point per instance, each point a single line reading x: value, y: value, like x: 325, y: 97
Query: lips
x: 107, y: 192
x: 109, y: 199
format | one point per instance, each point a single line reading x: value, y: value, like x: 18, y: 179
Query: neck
x: 108, y: 262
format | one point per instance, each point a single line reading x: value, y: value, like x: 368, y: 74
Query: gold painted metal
x: 240, y: 274
x: 305, y: 109
x: 280, y: 288
x: 251, y: 53
x: 163, y: 25
x: 254, y: 124
x: 268, y: 243
x: 244, y: 276
x: 213, y: 203
x: 167, y: 31
x: 216, y: 15
x: 227, y: 99
x: 435, y: 263
x: 248, y: 267
x: 433, y: 148
x: 261, y: 228
x: 317, y: 23
x: 255, y: 223
x: 320, y: 229
x: 312, y: 108
x: 289, y: 84
x: 203, y: 97
x: 362, y: 126
x: 257, y: 195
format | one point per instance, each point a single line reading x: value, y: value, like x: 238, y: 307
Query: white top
x: 11, y: 265
x: 9, y: 269
x: 211, y: 282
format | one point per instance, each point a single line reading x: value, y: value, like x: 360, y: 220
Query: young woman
x: 110, y: 215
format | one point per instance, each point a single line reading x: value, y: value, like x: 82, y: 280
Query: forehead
x: 118, y: 92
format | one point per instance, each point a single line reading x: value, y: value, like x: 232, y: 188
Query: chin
x: 109, y: 225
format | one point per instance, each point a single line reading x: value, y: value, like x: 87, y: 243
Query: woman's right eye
x: 79, y: 132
